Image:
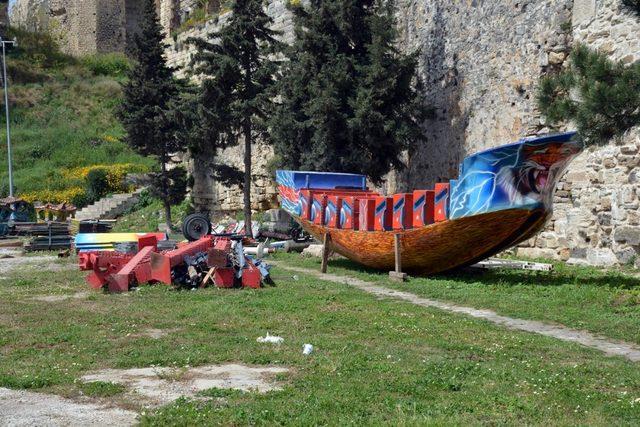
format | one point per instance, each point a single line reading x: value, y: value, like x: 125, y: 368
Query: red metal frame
x: 161, y: 264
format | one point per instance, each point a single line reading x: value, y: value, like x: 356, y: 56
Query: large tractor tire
x: 195, y: 226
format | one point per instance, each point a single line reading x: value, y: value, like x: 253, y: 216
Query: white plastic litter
x: 307, y: 349
x: 273, y: 339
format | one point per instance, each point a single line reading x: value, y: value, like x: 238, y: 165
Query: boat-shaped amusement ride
x: 502, y: 196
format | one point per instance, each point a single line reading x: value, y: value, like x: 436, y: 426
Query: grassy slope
x: 604, y: 302
x: 147, y: 215
x: 376, y: 361
x: 62, y: 115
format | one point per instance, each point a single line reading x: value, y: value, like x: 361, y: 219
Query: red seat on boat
x: 423, y: 208
x: 366, y: 216
x: 402, y: 211
x: 383, y: 213
x: 441, y: 202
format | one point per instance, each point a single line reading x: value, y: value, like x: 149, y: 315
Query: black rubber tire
x: 195, y: 226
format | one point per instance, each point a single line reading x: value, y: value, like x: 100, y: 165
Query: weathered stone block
x: 627, y: 234
x: 626, y: 255
x: 537, y: 253
x: 629, y: 149
x: 601, y: 257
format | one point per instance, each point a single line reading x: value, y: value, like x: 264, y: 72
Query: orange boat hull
x: 438, y: 247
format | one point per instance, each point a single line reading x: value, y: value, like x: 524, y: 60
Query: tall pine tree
x: 238, y: 69
x: 148, y: 97
x: 349, y: 100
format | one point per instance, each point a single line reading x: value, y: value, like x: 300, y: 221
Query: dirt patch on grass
x: 154, y: 333
x: 159, y: 386
x: 26, y: 408
x: 13, y: 260
x: 59, y: 298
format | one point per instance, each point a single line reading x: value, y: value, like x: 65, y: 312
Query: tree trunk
x: 165, y: 193
x: 247, y: 178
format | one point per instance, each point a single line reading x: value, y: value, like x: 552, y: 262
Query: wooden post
x: 398, y: 254
x: 397, y: 275
x: 325, y: 252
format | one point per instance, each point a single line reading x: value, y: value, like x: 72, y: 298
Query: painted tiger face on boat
x: 541, y: 165
x: 522, y: 175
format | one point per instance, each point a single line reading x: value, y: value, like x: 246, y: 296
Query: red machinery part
x: 402, y: 211
x: 161, y: 264
x: 441, y: 202
x: 148, y: 240
x: 423, y: 208
x: 366, y: 214
x: 103, y: 264
x: 120, y: 281
x: 224, y: 277
x: 251, y: 277
x: 383, y: 213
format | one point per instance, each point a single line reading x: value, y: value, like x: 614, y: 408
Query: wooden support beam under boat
x: 325, y: 252
x: 397, y: 275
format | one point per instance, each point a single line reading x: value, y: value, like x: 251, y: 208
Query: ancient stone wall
x: 81, y: 26
x: 481, y: 61
x: 597, y: 218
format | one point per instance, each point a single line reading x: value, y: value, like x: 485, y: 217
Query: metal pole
x: 6, y: 108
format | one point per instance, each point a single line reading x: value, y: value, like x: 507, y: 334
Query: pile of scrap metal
x: 217, y: 260
x: 96, y: 225
x: 276, y: 224
x: 279, y: 224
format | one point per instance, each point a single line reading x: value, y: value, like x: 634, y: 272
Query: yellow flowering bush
x: 115, y: 174
x: 75, y: 181
x: 69, y: 195
x: 110, y: 138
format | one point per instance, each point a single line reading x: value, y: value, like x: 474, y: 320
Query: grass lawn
x: 603, y: 302
x: 375, y: 361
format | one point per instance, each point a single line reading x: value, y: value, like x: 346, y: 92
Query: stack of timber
x: 46, y: 236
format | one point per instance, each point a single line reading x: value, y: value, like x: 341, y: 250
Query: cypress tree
x: 238, y: 69
x: 148, y: 96
x: 349, y: 100
x: 602, y: 97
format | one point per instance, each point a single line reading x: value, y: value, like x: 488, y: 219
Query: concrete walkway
x: 611, y: 348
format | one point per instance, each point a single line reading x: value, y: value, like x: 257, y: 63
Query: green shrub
x: 110, y: 64
x: 97, y: 184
